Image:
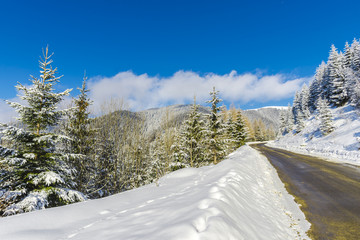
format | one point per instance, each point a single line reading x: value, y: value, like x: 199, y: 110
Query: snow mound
x: 240, y: 198
x: 340, y: 145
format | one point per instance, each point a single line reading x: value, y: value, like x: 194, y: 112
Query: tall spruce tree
x: 37, y: 175
x: 214, y: 128
x: 192, y: 137
x: 316, y: 86
x: 81, y: 138
x: 338, y: 95
x: 355, y: 63
x: 305, y: 95
x: 325, y: 116
x: 240, y: 132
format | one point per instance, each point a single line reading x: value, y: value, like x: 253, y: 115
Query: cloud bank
x: 143, y: 91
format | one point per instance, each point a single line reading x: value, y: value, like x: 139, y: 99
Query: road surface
x: 329, y: 193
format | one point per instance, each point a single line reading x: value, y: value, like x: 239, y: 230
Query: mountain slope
x: 269, y: 115
x: 341, y: 145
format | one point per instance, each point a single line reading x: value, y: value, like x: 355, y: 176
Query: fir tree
x: 325, y: 117
x: 290, y: 119
x: 283, y: 124
x: 338, y: 95
x: 192, y: 138
x: 37, y: 175
x: 214, y: 129
x: 316, y: 86
x: 300, y: 123
x: 180, y: 158
x: 240, y: 133
x: 355, y: 63
x: 260, y: 130
x: 229, y: 128
x: 305, y: 95
x: 81, y: 138
x: 297, y: 106
x: 348, y: 56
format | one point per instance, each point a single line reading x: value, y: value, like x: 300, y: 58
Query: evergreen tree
x: 305, y: 95
x: 355, y: 63
x: 338, y: 95
x: 260, y: 130
x: 283, y: 124
x: 297, y: 106
x: 317, y: 86
x: 300, y: 125
x: 290, y: 119
x: 180, y: 159
x: 229, y: 130
x: 191, y: 140
x: 81, y: 138
x: 348, y: 56
x: 214, y: 129
x: 325, y: 116
x: 355, y: 97
x: 37, y: 175
x: 159, y: 164
x: 286, y: 121
x: 240, y: 131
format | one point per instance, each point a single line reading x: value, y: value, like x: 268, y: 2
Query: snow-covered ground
x: 340, y: 145
x: 239, y: 198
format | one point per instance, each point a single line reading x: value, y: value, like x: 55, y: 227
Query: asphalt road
x: 329, y: 193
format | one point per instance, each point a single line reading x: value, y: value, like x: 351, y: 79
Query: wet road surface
x: 329, y: 193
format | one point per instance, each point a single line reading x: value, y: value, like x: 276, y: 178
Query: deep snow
x: 240, y: 198
x: 340, y: 145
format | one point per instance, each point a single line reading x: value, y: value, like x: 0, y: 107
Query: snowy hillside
x: 240, y: 198
x: 340, y: 145
x: 269, y: 115
x: 154, y: 117
x: 178, y: 113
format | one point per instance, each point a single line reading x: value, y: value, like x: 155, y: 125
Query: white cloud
x: 143, y: 91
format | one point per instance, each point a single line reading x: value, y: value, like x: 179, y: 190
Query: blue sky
x: 152, y: 42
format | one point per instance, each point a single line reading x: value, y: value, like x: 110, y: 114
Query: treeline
x: 336, y: 83
x: 64, y: 156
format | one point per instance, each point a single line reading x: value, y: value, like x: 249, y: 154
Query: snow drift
x: 340, y: 145
x: 240, y: 198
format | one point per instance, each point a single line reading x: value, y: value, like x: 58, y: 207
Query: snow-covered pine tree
x: 338, y: 94
x: 180, y: 159
x: 290, y: 119
x: 316, y: 86
x: 325, y: 116
x: 348, y: 56
x: 297, y: 104
x: 300, y: 123
x: 355, y: 63
x: 159, y: 164
x: 283, y: 124
x: 229, y: 129
x: 81, y: 138
x: 214, y: 129
x: 305, y: 95
x: 286, y: 121
x: 192, y: 137
x: 260, y: 130
x: 37, y: 175
x: 355, y: 98
x: 240, y: 132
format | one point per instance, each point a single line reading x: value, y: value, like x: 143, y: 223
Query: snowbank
x: 240, y: 198
x: 340, y: 145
